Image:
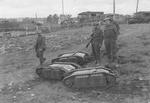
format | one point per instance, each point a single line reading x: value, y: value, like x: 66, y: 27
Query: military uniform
x: 110, y: 37
x: 118, y: 33
x: 96, y: 42
x: 117, y: 27
x: 40, y: 48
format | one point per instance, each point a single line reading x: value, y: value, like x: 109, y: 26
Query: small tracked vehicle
x: 93, y: 77
x: 56, y: 71
x: 79, y: 58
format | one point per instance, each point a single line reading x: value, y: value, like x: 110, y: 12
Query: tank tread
x: 69, y: 81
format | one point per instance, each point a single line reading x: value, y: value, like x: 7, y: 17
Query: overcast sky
x: 28, y: 8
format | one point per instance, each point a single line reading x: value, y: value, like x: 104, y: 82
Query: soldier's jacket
x: 40, y: 44
x: 117, y: 26
x: 110, y: 31
x: 97, y: 35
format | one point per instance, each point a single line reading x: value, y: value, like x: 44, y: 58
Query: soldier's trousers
x: 110, y: 46
x: 96, y: 50
x: 40, y: 55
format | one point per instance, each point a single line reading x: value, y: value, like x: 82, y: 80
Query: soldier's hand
x: 87, y: 46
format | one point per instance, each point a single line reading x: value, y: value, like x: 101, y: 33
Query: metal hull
x: 56, y: 71
x: 90, y: 78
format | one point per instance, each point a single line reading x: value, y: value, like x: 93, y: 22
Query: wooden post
x: 37, y: 27
x: 63, y: 7
x: 137, y: 6
x: 114, y: 9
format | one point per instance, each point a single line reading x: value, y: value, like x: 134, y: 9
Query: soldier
x: 116, y: 24
x: 40, y: 47
x: 96, y: 41
x: 110, y: 37
x: 118, y: 32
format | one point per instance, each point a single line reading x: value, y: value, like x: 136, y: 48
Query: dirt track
x: 20, y: 84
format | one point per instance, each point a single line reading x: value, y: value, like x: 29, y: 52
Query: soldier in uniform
x: 110, y: 37
x: 40, y: 47
x: 116, y: 24
x: 96, y: 40
x: 118, y: 31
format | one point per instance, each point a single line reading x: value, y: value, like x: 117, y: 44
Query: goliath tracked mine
x: 56, y: 71
x: 92, y: 77
x: 79, y: 58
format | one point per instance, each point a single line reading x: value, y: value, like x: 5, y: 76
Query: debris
x: 145, y: 89
x: 11, y: 83
x: 73, y: 97
x: 14, y: 97
x: 32, y: 95
x: 140, y: 78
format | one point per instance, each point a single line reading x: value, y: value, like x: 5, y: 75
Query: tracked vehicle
x: 56, y: 71
x: 93, y: 77
x: 79, y: 58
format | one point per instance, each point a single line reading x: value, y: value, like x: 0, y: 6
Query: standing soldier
x: 96, y: 41
x: 117, y: 26
x: 110, y: 37
x: 40, y: 47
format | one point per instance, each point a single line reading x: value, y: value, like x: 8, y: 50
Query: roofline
x: 143, y: 12
x: 89, y: 12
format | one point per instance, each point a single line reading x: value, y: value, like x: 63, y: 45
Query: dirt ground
x: 20, y: 84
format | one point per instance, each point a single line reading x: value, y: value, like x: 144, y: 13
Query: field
x: 20, y: 84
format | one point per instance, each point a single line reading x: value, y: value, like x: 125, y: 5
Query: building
x: 140, y: 17
x: 118, y: 17
x: 90, y: 16
x: 143, y: 14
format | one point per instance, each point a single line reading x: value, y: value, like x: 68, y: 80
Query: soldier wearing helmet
x: 110, y: 37
x: 40, y: 47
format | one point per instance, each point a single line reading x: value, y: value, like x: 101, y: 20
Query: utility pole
x: 114, y: 8
x: 63, y: 7
x: 137, y: 6
x: 37, y: 27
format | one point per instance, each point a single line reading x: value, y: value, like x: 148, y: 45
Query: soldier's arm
x: 44, y: 43
x: 90, y: 39
x: 115, y: 29
x: 35, y: 46
x: 102, y: 36
x: 117, y: 25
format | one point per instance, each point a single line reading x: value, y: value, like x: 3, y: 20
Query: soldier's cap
x: 107, y: 19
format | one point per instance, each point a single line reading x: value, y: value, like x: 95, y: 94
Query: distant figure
x: 40, y: 47
x: 110, y: 37
x: 96, y: 40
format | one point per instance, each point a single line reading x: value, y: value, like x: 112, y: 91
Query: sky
x: 28, y: 8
